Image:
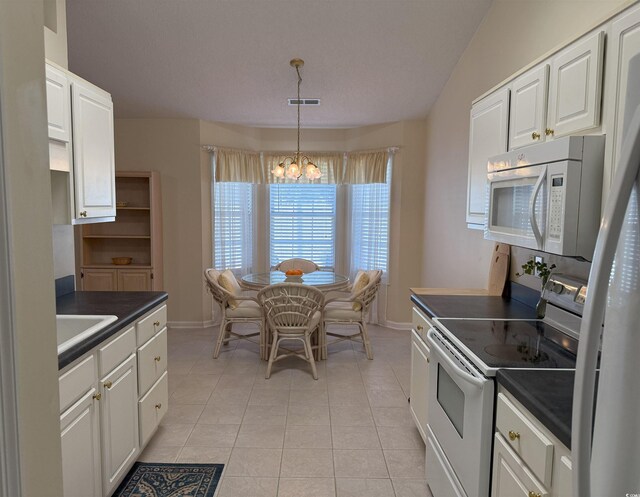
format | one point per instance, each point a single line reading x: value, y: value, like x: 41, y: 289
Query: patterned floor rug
x: 170, y: 480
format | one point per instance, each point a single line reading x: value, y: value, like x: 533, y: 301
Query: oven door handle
x: 444, y: 357
x: 532, y: 208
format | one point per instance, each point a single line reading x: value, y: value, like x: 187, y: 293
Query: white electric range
x: 465, y: 355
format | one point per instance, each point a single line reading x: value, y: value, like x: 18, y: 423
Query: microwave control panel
x: 556, y: 207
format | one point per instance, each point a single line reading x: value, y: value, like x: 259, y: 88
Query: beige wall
x: 171, y: 147
x: 27, y: 185
x: 512, y: 34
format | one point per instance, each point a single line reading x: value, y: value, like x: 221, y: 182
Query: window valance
x: 366, y: 167
x: 237, y: 166
x: 245, y: 166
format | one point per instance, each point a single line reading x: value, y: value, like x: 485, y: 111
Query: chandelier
x: 294, y: 167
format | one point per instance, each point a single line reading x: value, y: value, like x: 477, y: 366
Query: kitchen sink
x: 73, y: 328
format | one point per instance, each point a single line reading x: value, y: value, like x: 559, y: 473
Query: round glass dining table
x: 322, y: 280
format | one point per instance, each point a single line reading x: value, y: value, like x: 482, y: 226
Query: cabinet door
x: 419, y: 383
x: 152, y: 407
x: 119, y: 418
x: 134, y: 280
x: 575, y: 87
x: 103, y: 280
x: 511, y: 477
x: 622, y: 98
x: 488, y: 134
x: 94, y: 165
x: 527, y: 114
x: 58, y: 104
x: 80, y: 436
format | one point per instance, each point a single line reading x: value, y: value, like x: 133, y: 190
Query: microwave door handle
x: 444, y: 357
x: 532, y: 208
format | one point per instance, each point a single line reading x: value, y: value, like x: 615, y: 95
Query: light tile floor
x: 348, y: 434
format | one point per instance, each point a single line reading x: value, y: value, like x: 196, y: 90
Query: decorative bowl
x: 122, y: 261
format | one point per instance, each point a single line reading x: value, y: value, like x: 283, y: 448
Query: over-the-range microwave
x: 547, y: 196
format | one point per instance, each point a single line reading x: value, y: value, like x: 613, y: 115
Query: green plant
x: 534, y: 267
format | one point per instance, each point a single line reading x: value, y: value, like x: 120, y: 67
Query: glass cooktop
x: 494, y: 344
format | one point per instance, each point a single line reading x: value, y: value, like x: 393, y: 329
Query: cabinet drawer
x: 511, y: 476
x: 421, y: 323
x: 525, y: 439
x: 116, y: 351
x: 152, y: 324
x: 77, y: 381
x: 152, y: 361
x: 152, y: 408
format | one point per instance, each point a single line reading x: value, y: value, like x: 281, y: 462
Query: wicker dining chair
x: 305, y: 265
x: 293, y: 312
x: 351, y: 310
x: 235, y: 308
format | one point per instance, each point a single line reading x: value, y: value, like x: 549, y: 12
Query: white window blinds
x: 303, y: 223
x: 233, y: 226
x: 370, y: 206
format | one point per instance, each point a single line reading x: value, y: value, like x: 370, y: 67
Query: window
x: 303, y: 223
x: 370, y: 206
x: 233, y: 226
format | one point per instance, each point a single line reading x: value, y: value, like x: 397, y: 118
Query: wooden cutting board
x: 499, y: 269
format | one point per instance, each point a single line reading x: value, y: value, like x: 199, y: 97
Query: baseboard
x: 190, y: 324
x: 397, y: 326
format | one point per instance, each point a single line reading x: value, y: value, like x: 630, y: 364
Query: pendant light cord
x: 298, y: 149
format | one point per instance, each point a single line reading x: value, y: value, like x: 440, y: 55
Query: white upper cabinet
x: 527, y: 116
x: 623, y: 65
x: 93, y: 151
x: 575, y: 87
x: 58, y: 105
x: 487, y: 137
x: 81, y: 149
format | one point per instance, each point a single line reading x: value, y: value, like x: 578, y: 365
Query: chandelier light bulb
x: 293, y: 171
x: 278, y: 171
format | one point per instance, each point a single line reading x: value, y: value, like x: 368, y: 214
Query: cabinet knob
x: 158, y: 405
x: 548, y: 132
x: 156, y: 323
x: 97, y: 396
x: 534, y: 494
x: 157, y: 358
x: 419, y: 327
x: 513, y: 435
x: 535, y: 135
x: 83, y: 214
x: 108, y: 384
x: 428, y: 360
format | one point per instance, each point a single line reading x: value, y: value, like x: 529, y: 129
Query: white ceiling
x: 369, y: 61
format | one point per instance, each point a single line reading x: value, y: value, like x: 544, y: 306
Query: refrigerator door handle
x: 593, y: 315
x: 532, y: 208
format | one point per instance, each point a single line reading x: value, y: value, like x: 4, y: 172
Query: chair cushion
x: 361, y: 281
x: 245, y: 309
x: 228, y: 281
x: 341, y: 311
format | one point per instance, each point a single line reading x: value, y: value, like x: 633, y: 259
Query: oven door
x: 517, y: 210
x: 460, y: 415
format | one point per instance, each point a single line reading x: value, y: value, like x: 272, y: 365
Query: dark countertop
x: 473, y: 306
x: 546, y: 393
x: 128, y: 306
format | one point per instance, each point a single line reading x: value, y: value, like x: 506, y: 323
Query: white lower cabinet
x: 119, y: 422
x: 528, y: 460
x: 80, y: 435
x: 419, y: 372
x: 152, y: 408
x: 106, y: 420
